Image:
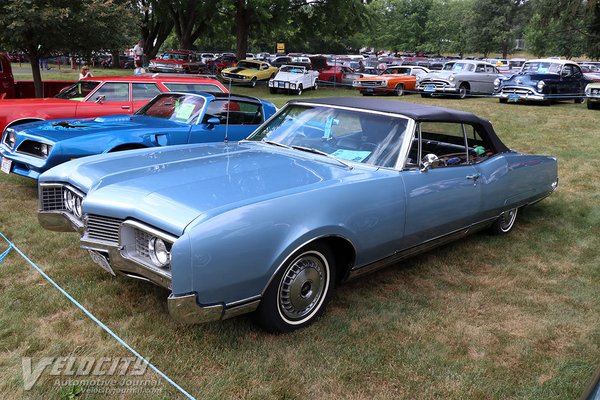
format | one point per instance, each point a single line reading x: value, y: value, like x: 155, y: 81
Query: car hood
x: 288, y: 76
x: 440, y: 74
x: 528, y: 79
x: 57, y: 130
x: 396, y: 77
x: 171, y: 187
x: 240, y: 70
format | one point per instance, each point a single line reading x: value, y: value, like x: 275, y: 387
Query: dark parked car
x: 544, y: 80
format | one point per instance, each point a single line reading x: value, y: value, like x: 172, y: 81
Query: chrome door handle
x: 125, y: 107
x: 474, y: 177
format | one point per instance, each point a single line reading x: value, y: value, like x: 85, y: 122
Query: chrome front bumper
x: 59, y: 221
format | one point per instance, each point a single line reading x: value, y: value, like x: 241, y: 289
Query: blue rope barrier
x: 91, y: 316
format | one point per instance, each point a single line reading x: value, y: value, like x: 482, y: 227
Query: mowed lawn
x: 484, y: 318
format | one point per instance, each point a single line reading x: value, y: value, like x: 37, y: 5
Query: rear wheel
x: 316, y: 85
x: 579, y: 100
x: 505, y: 222
x: 299, y: 292
x: 591, y: 105
x: 425, y: 95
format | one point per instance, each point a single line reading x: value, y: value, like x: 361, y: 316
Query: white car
x: 294, y: 78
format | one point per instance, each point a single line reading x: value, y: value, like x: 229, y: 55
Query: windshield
x: 78, y: 91
x: 539, y: 67
x: 291, y: 69
x: 458, y: 67
x: 358, y: 136
x: 174, y: 107
x: 397, y: 71
x: 175, y: 56
x: 248, y: 65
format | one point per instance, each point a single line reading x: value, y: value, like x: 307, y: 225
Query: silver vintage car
x: 460, y: 78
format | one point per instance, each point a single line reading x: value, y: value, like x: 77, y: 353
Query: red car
x: 178, y: 61
x: 339, y: 74
x: 94, y: 97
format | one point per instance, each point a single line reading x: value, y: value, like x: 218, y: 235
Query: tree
x: 43, y: 26
x: 155, y: 25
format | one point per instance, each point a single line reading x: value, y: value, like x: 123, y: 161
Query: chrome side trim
x: 185, y: 309
x: 241, y: 309
x: 420, y: 248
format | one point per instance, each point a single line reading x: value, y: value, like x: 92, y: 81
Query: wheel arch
x: 342, y: 248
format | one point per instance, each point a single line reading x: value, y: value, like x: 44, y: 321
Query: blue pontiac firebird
x: 170, y: 118
x: 324, y: 191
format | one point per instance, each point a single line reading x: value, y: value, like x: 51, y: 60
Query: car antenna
x: 227, y: 114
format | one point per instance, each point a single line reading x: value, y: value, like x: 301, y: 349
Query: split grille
x: 52, y: 198
x: 105, y: 229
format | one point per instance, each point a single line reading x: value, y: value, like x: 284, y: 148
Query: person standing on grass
x: 139, y: 70
x: 85, y: 72
x: 138, y: 52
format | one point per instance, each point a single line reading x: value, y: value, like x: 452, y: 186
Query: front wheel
x: 299, y: 90
x: 273, y: 90
x: 591, y: 105
x: 253, y: 82
x: 315, y: 85
x: 399, y: 90
x: 505, y: 222
x: 463, y: 91
x: 299, y: 291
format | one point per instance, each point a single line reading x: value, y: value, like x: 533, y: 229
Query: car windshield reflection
x: 174, y: 107
x: 78, y: 91
x: 361, y: 137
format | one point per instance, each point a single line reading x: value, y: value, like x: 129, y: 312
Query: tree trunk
x: 242, y: 27
x: 34, y: 60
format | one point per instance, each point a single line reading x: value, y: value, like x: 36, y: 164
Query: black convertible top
x: 418, y: 112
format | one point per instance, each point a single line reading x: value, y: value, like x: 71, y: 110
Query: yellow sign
x: 281, y: 47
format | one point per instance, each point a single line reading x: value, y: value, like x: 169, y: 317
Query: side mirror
x: 429, y: 161
x: 212, y: 122
x: 100, y: 99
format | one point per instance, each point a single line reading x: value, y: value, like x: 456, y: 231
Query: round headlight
x: 451, y: 78
x: 497, y: 82
x: 10, y: 138
x: 69, y: 201
x: 77, y: 206
x: 418, y: 78
x: 159, y: 254
x: 540, y: 85
x: 355, y: 83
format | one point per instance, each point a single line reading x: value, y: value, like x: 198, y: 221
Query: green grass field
x: 513, y: 317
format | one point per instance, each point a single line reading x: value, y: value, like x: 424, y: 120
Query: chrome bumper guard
x: 59, y: 221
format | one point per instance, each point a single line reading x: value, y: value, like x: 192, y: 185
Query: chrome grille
x: 141, y: 244
x: 516, y: 90
x: 105, y: 229
x: 52, y: 198
x: 436, y: 83
x: 370, y: 83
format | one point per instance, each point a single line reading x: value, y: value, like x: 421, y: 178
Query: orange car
x: 393, y: 80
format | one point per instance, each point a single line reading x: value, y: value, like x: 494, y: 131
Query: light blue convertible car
x: 324, y: 191
x: 169, y: 119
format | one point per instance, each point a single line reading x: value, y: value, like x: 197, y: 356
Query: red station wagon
x: 94, y: 97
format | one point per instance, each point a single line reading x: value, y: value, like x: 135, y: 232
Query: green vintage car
x: 592, y: 92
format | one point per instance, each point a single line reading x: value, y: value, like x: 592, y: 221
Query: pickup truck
x: 11, y: 89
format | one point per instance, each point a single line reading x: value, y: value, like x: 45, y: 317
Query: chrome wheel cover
x: 303, y: 287
x: 507, y: 220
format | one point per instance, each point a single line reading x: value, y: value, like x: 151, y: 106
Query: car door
x: 237, y: 119
x: 445, y: 197
x: 109, y: 98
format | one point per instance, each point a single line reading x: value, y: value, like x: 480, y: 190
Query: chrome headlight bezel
x: 159, y: 252
x: 540, y: 86
x: 451, y: 78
